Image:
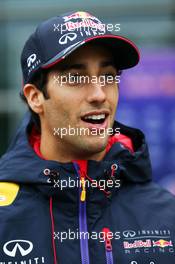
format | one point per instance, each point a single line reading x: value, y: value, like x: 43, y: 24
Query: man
x: 75, y: 185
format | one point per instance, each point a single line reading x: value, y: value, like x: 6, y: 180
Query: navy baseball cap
x: 57, y: 37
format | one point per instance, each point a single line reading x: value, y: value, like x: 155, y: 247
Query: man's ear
x: 34, y: 97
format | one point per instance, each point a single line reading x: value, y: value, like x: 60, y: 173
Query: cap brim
x: 125, y: 52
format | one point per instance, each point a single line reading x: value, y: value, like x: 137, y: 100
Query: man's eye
x: 109, y: 76
x: 74, y: 78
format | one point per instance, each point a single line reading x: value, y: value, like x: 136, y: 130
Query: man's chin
x: 96, y: 144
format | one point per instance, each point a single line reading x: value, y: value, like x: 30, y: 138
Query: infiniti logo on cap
x: 12, y: 247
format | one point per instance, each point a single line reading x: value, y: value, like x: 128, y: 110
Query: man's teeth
x: 95, y: 117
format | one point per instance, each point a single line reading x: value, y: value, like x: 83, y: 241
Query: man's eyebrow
x: 108, y: 63
x: 76, y: 66
x: 82, y: 66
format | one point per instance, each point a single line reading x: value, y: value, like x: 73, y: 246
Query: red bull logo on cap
x: 82, y: 15
x: 162, y: 243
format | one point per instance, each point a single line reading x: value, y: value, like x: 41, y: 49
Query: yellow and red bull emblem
x: 82, y: 15
x: 162, y: 243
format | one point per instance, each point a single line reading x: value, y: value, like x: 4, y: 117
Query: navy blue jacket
x: 126, y: 220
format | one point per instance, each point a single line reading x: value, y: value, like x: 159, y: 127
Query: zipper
x: 108, y: 245
x: 81, y: 169
x: 53, y: 229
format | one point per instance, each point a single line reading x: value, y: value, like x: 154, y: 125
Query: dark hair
x: 40, y: 81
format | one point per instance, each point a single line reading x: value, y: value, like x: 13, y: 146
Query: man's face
x: 86, y: 105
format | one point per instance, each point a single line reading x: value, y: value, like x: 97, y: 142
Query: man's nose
x: 96, y: 93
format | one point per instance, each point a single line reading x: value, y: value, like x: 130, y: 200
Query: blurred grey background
x: 149, y: 23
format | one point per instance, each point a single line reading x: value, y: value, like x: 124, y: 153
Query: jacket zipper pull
x: 83, y: 192
x: 108, y: 245
x: 107, y: 240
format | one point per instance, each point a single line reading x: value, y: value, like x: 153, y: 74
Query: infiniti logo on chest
x: 129, y: 233
x: 24, y: 247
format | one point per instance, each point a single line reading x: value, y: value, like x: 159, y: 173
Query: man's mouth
x: 95, y: 119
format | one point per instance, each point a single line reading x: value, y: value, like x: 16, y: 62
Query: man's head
x: 81, y: 93
x: 77, y: 92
